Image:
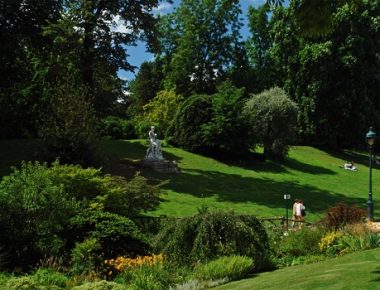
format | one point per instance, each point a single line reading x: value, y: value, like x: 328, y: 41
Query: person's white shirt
x: 299, y: 208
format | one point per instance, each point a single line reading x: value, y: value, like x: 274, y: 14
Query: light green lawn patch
x: 359, y: 271
x: 256, y: 187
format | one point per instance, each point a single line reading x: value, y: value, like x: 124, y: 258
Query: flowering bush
x: 330, y: 242
x: 122, y: 263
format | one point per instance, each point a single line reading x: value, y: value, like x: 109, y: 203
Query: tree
x: 161, y: 110
x: 273, y: 118
x: 202, y: 38
x: 333, y: 79
x: 227, y: 130
x: 147, y: 83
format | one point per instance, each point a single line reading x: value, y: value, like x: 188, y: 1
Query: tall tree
x: 333, y: 78
x: 202, y: 38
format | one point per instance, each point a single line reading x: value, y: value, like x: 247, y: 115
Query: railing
x: 152, y: 224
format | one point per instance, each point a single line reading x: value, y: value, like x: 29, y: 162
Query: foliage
x: 116, y: 128
x: 198, y: 41
x: 300, y: 243
x: 207, y: 236
x: 228, y: 129
x: 131, y: 197
x: 332, y: 78
x: 111, y: 193
x: 86, y: 257
x: 160, y: 111
x: 100, y: 285
x: 42, y: 279
x: 34, y: 212
x: 122, y: 263
x: 68, y: 130
x: 145, y: 86
x: 342, y: 214
x: 330, y: 242
x: 116, y: 234
x: 185, y: 130
x: 231, y: 267
x: 273, y: 117
x: 146, y: 277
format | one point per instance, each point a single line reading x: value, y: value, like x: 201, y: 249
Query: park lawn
x: 249, y: 186
x: 256, y: 187
x: 359, y: 271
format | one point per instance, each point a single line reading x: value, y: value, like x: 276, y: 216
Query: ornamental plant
x: 121, y: 263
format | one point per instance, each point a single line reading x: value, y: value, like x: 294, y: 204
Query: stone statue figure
x: 154, y: 150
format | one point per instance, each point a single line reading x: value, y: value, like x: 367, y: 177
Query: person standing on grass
x: 294, y: 215
x: 300, y: 213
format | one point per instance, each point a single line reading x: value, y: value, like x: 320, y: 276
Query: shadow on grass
x: 235, y: 188
x: 376, y: 272
x: 356, y: 157
x: 256, y: 162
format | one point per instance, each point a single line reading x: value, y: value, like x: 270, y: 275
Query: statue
x: 154, y: 150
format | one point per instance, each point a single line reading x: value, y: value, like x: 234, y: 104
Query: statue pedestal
x: 160, y: 165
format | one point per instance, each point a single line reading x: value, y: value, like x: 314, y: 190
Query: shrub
x: 185, y: 130
x: 210, y: 235
x: 21, y: 283
x: 161, y: 110
x: 273, y: 118
x: 145, y: 277
x: 122, y: 263
x: 100, y: 285
x: 116, y: 128
x: 50, y: 278
x: 116, y: 234
x: 34, y: 210
x: 231, y: 267
x: 342, y: 214
x: 330, y: 243
x: 294, y: 246
x: 227, y: 130
x: 86, y: 257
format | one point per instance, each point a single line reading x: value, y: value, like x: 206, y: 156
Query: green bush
x: 86, y: 257
x: 210, y: 235
x: 231, y: 267
x: 228, y: 129
x: 50, y: 278
x: 111, y: 193
x: 117, y: 235
x: 145, y: 277
x: 100, y: 285
x: 185, y: 130
x: 297, y: 247
x: 273, y: 119
x: 21, y: 283
x: 116, y: 128
x: 34, y: 211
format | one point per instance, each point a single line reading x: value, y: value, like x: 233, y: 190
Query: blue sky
x: 138, y: 54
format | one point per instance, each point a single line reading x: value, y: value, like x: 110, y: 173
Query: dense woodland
x: 60, y: 62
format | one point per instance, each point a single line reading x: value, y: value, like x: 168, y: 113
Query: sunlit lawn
x: 253, y: 186
x: 359, y: 271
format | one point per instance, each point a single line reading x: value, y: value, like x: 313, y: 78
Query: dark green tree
x: 200, y: 43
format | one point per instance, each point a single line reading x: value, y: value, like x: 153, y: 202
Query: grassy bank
x: 359, y: 271
x: 253, y: 186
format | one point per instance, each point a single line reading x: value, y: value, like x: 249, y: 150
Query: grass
x: 253, y: 186
x: 250, y: 186
x: 360, y: 270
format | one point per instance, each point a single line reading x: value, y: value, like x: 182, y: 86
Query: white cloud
x: 119, y: 25
x: 163, y: 8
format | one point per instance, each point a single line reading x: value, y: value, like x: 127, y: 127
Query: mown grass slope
x: 359, y: 271
x: 251, y: 185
